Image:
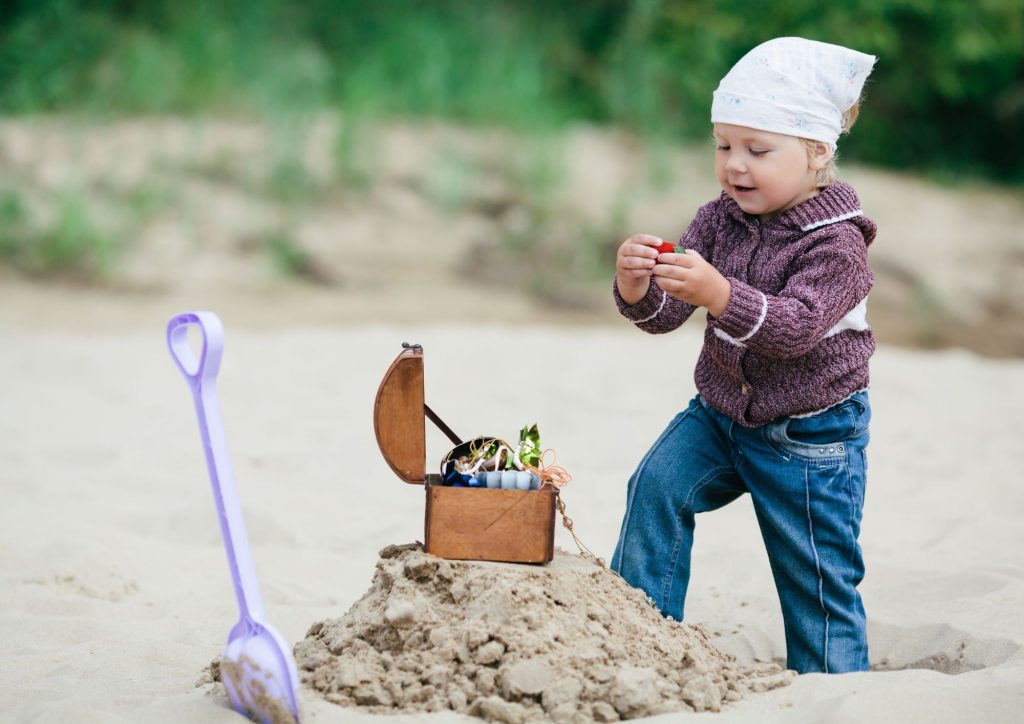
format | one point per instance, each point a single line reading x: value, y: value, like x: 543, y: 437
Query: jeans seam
x: 853, y: 505
x: 862, y: 655
x: 709, y: 477
x: 817, y: 562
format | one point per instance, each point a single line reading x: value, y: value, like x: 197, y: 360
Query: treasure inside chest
x: 464, y: 523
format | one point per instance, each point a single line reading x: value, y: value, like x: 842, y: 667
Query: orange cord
x: 554, y: 475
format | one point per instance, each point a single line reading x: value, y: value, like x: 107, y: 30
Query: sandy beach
x: 116, y: 594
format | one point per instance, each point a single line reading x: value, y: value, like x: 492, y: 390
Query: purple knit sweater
x: 793, y: 338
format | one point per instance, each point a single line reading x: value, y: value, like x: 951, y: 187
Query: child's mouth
x: 743, y: 189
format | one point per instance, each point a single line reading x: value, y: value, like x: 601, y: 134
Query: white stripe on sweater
x: 760, y: 319
x: 855, y: 319
x: 833, y: 220
x: 664, y: 296
x: 728, y: 338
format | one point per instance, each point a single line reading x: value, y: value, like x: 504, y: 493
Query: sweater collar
x: 835, y: 202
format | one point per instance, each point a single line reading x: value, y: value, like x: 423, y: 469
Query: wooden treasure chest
x: 463, y: 523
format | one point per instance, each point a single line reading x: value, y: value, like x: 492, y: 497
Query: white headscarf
x: 792, y: 86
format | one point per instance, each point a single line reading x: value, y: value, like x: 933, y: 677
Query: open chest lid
x: 399, y: 413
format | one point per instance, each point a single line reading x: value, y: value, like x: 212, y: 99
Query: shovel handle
x: 205, y: 368
x: 201, y: 375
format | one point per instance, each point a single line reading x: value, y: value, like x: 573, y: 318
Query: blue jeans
x: 805, y: 476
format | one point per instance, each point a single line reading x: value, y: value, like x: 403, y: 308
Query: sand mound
x: 569, y: 641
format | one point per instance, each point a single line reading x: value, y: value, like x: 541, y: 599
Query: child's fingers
x: 639, y: 251
x: 643, y: 248
x: 672, y: 271
x: 690, y: 259
x: 642, y: 244
x: 670, y: 284
x: 667, y: 284
x: 636, y: 265
x: 680, y: 261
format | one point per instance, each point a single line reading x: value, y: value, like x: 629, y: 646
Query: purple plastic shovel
x: 257, y: 668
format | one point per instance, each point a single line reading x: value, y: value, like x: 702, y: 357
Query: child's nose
x: 735, y: 163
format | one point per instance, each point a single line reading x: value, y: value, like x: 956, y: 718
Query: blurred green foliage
x: 71, y: 242
x: 947, y: 94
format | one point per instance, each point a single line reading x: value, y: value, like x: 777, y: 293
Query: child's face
x: 766, y: 173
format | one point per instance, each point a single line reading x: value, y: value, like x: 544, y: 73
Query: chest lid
x: 398, y: 416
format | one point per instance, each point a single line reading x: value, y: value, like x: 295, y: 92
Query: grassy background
x: 947, y: 96
x: 946, y: 100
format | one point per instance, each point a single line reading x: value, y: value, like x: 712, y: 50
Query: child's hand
x: 633, y: 265
x: 689, y: 278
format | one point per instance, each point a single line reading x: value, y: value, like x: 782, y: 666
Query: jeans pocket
x: 825, y: 435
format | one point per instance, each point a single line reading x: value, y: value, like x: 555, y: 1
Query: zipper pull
x: 744, y: 390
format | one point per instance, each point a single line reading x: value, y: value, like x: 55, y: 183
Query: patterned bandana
x: 792, y: 86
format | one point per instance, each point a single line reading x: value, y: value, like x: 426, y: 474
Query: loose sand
x: 569, y: 641
x: 116, y: 593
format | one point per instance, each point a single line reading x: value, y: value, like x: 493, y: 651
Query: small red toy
x: 667, y: 248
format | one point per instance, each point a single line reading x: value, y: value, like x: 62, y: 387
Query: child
x: 779, y: 261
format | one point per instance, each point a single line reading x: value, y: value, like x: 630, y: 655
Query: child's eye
x: 755, y: 152
x: 722, y: 148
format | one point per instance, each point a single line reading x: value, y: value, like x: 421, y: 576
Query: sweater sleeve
x: 658, y: 312
x: 830, y: 279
